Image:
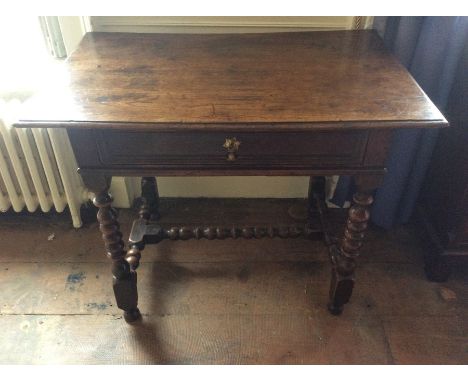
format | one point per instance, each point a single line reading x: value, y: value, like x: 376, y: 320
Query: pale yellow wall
x: 218, y: 24
x: 234, y: 186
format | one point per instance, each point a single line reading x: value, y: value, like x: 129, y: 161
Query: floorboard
x: 222, y: 302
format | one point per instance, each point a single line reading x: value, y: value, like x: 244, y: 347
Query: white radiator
x: 37, y: 168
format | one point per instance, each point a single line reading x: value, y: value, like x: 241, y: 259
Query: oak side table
x: 301, y: 103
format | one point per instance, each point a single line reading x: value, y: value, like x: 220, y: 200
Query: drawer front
x: 209, y: 149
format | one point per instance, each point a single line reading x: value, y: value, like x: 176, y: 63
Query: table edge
x: 235, y: 126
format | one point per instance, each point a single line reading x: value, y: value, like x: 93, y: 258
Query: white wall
x: 73, y: 30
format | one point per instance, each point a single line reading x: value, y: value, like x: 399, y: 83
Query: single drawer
x: 224, y: 150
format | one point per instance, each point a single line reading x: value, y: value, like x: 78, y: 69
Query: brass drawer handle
x: 232, y: 147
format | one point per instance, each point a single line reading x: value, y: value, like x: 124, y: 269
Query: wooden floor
x: 222, y: 302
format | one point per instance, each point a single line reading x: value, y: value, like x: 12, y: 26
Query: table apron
x: 133, y: 153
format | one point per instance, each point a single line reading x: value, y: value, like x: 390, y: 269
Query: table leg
x: 316, y: 189
x: 343, y: 258
x: 149, y: 209
x: 124, y: 278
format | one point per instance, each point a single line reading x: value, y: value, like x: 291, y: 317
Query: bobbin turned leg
x: 317, y: 209
x: 149, y: 209
x: 343, y: 256
x: 124, y: 279
x: 316, y: 191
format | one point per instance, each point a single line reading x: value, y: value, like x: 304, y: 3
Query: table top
x: 302, y: 80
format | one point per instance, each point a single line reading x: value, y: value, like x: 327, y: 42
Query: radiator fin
x: 37, y: 168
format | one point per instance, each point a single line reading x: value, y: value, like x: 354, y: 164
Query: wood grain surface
x: 222, y: 302
x: 304, y: 80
